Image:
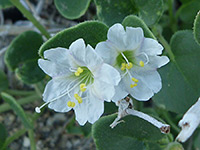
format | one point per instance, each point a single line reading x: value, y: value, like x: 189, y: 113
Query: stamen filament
x: 125, y: 58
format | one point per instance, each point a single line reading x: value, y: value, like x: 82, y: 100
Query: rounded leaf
x: 197, y: 28
x: 180, y: 78
x: 72, y: 9
x: 92, y: 32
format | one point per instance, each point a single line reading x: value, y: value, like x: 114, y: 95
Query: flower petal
x: 58, y: 55
x: 95, y: 108
x: 107, y: 52
x: 92, y: 59
x: 107, y: 74
x: 77, y: 50
x: 81, y: 111
x: 103, y: 90
x: 134, y: 37
x: 151, y: 79
x: 53, y: 69
x: 119, y: 93
x: 117, y: 36
x: 60, y: 105
x: 151, y: 47
x: 140, y: 92
x: 158, y: 61
x: 57, y: 87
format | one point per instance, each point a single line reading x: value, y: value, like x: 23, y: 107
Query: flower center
x: 85, y: 78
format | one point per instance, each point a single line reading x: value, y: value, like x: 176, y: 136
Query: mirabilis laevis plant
x: 80, y: 81
x: 189, y: 122
x: 136, y: 58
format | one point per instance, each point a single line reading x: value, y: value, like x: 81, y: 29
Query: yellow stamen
x: 123, y: 65
x: 83, y: 89
x: 77, y: 73
x: 134, y: 79
x: 129, y: 66
x: 69, y: 104
x: 73, y: 104
x: 133, y: 85
x: 79, y: 100
x: 80, y: 70
x: 82, y: 85
x: 141, y: 63
x: 76, y: 95
x: 123, y: 68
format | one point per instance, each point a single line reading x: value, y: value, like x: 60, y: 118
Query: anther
x: 80, y: 70
x: 133, y: 85
x: 141, y: 63
x: 77, y: 73
x: 123, y: 66
x: 129, y: 65
x: 134, y: 80
x: 70, y: 104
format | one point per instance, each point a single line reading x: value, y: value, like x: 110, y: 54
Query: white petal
x: 95, y: 108
x: 151, y: 79
x: 60, y: 105
x: 141, y: 92
x: 119, y: 93
x: 92, y: 59
x: 117, y: 36
x: 77, y: 49
x: 107, y: 74
x: 151, y: 47
x: 158, y: 61
x: 103, y: 90
x: 134, y: 37
x: 81, y: 111
x: 107, y: 52
x: 53, y: 69
x: 56, y: 87
x: 58, y: 55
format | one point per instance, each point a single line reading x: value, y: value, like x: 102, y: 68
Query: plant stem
x: 21, y: 101
x: 173, y: 22
x: 20, y: 93
x: 32, y: 139
x: 164, y: 43
x: 15, y: 136
x: 30, y: 17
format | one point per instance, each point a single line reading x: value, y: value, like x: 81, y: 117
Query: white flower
x: 80, y: 81
x: 136, y: 58
x: 189, y: 122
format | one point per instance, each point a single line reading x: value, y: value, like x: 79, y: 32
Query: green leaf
x: 3, y: 81
x: 3, y: 135
x: 30, y: 72
x: 24, y: 47
x: 188, y: 11
x: 72, y: 9
x: 22, y: 54
x: 134, y: 21
x: 5, y: 4
x: 92, y: 32
x: 114, y: 11
x: 125, y: 136
x: 197, y: 28
x: 181, y: 80
x: 17, y: 109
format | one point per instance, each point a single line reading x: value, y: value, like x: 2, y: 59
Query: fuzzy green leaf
x: 17, y: 109
x: 72, y: 9
x: 114, y: 11
x: 197, y: 28
x: 181, y: 80
x: 125, y: 136
x: 92, y: 32
x: 22, y: 54
x: 134, y: 21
